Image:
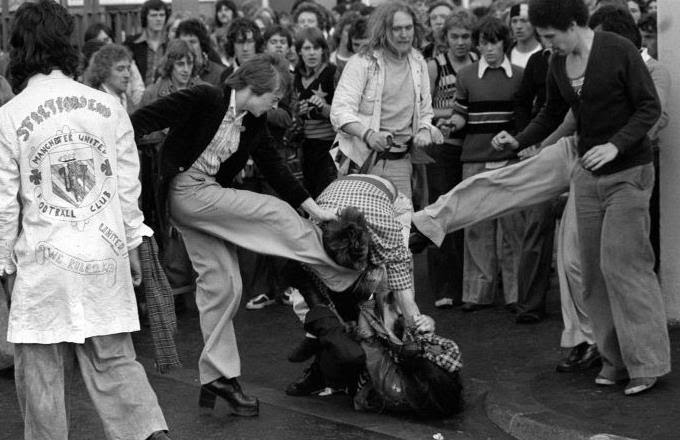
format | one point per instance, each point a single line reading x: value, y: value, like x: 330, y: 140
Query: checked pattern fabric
x: 387, y: 245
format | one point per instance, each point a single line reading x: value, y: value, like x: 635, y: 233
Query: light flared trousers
x: 215, y: 220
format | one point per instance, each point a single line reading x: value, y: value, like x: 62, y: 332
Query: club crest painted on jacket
x: 72, y: 176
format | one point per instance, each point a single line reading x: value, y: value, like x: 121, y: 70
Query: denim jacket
x: 358, y: 99
x: 69, y: 176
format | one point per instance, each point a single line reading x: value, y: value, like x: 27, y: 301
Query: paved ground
x: 511, y: 388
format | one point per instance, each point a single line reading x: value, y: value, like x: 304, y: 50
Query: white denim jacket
x: 358, y: 98
x: 69, y: 172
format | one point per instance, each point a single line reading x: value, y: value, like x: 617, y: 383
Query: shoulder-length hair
x: 176, y: 50
x: 380, y: 24
x: 279, y: 30
x: 153, y: 5
x: 437, y: 3
x: 230, y: 5
x: 238, y: 30
x: 493, y: 30
x: 40, y: 41
x: 346, y: 240
x: 94, y: 29
x: 102, y: 61
x: 460, y: 18
x: 347, y: 19
x: 314, y: 36
x: 315, y: 9
x: 263, y: 73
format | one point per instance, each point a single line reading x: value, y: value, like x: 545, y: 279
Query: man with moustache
x: 382, y: 108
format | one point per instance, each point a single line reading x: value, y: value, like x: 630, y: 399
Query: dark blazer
x: 193, y: 116
x: 138, y: 47
x: 618, y: 103
x: 530, y: 97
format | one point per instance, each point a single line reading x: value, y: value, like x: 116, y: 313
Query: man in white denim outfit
x: 70, y: 226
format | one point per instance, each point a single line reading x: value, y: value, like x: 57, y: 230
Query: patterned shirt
x: 153, y: 60
x: 371, y: 196
x: 224, y: 144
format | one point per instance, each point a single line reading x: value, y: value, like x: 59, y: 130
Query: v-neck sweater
x: 618, y: 103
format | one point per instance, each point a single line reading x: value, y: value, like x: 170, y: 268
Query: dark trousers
x: 533, y: 278
x: 445, y: 264
x: 654, y: 213
x: 318, y: 168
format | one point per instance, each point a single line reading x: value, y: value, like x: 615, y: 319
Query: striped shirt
x: 487, y: 103
x: 368, y: 194
x: 224, y: 143
x: 444, y: 95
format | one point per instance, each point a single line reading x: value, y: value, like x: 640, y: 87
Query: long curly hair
x: 176, y: 50
x: 40, y: 41
x: 99, y: 68
x: 194, y: 26
x: 346, y: 240
x: 238, y: 29
x: 380, y: 24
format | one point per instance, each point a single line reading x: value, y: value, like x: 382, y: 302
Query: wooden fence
x: 123, y: 19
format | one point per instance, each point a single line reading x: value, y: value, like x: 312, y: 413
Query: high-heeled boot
x: 229, y: 390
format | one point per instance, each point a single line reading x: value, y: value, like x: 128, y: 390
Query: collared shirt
x: 153, y: 58
x: 122, y: 97
x: 521, y: 59
x: 387, y: 247
x: 505, y: 65
x: 358, y: 98
x: 224, y: 143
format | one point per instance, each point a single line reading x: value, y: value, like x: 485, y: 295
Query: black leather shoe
x: 417, y: 241
x: 512, y: 307
x: 528, y: 318
x: 581, y: 357
x: 229, y: 390
x: 591, y: 358
x: 311, y: 382
x: 159, y: 435
x: 304, y: 350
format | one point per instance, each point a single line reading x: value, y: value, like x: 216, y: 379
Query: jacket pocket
x: 645, y: 177
x: 369, y: 96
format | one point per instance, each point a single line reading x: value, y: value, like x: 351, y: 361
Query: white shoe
x: 604, y: 381
x: 444, y: 303
x: 639, y: 384
x: 259, y: 302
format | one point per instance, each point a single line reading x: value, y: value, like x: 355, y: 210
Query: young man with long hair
x: 212, y: 133
x: 70, y: 228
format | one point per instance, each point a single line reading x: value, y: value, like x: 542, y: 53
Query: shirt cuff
x: 135, y: 237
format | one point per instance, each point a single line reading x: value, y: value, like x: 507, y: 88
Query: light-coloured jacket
x: 69, y: 169
x: 358, y: 99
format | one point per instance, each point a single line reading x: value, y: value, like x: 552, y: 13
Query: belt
x: 390, y: 155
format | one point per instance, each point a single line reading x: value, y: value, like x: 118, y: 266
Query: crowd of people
x: 302, y: 157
